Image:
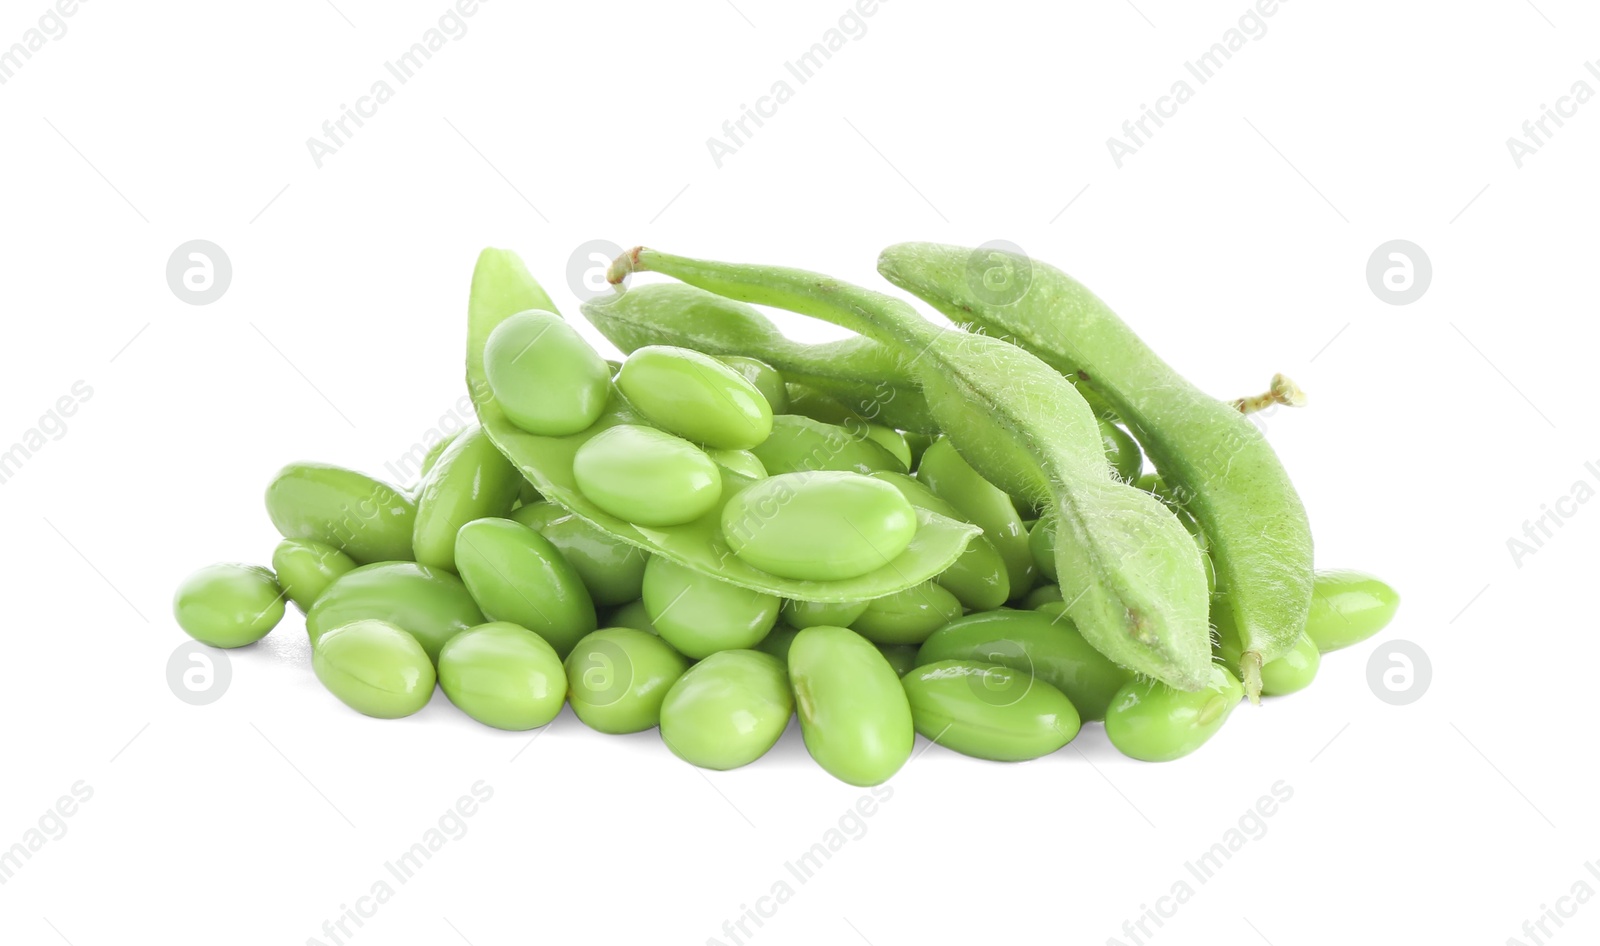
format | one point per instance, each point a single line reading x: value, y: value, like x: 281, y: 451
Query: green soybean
x: 767, y: 379
x: 368, y: 520
x: 803, y: 614
x: 647, y: 476
x: 374, y: 668
x: 612, y: 570
x: 1044, y: 645
x: 989, y: 712
x: 777, y: 642
x: 891, y: 440
x: 1152, y: 722
x: 1042, y: 546
x: 305, y: 568
x: 1122, y: 451
x: 1042, y: 595
x: 807, y: 401
x: 228, y: 605
x: 979, y: 578
x: 742, y: 462
x: 902, y: 657
x: 699, y: 615
x: 696, y: 397
x: 434, y: 452
x: 1216, y: 459
x: 544, y: 375
x: 618, y: 676
x: 983, y: 504
x: 853, y: 712
x: 1347, y: 607
x: 472, y: 480
x: 907, y: 617
x: 727, y: 710
x: 800, y: 444
x: 819, y: 526
x: 634, y: 615
x: 503, y: 675
x: 517, y: 575
x: 430, y: 604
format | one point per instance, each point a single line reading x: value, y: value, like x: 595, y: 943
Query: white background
x: 1236, y: 241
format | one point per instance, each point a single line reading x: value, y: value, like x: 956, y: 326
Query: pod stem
x: 1250, y: 668
x: 1283, y: 391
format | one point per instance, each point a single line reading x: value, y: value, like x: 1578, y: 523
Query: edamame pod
x: 695, y: 397
x: 853, y: 712
x: 800, y: 444
x: 517, y: 575
x: 1152, y: 722
x: 366, y: 519
x: 471, y: 480
x: 1132, y: 574
x: 374, y: 668
x: 1348, y: 607
x: 1290, y: 673
x: 228, y: 605
x: 699, y: 615
x: 1223, y: 469
x: 305, y: 568
x: 502, y: 287
x: 989, y: 712
x: 727, y: 710
x: 429, y: 604
x: 618, y: 676
x: 1043, y: 645
x: 503, y: 675
x: 950, y: 478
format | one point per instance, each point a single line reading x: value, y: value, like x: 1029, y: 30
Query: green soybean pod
x: 374, y: 668
x: 430, y: 604
x: 1217, y: 460
x: 800, y: 444
x: 727, y: 710
x: 472, y: 480
x: 853, y: 712
x: 517, y: 575
x: 1044, y: 645
x: 803, y: 614
x: 696, y: 397
x: 700, y: 615
x: 544, y: 375
x: 1122, y: 451
x: 989, y: 712
x: 820, y: 526
x: 979, y: 579
x: 1152, y: 722
x: 1347, y: 607
x: 647, y: 476
x: 1290, y: 673
x: 228, y: 605
x: 982, y: 504
x: 610, y: 568
x: 907, y: 617
x: 503, y: 675
x: 368, y: 520
x: 767, y: 379
x: 618, y: 676
x: 306, y: 567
